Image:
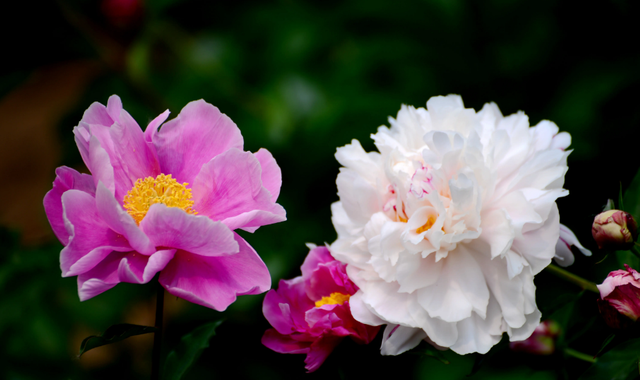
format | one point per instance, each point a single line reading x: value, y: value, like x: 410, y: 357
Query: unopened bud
x: 541, y: 342
x: 620, y: 297
x: 614, y: 229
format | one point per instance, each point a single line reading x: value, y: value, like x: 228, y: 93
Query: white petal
x: 397, y: 339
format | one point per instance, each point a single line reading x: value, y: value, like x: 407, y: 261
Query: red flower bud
x: 614, y: 229
x: 541, y: 342
x: 620, y: 297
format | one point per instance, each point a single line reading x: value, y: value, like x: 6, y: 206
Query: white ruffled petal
x: 444, y: 229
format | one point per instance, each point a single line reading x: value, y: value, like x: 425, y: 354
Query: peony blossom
x: 310, y: 313
x: 165, y: 201
x: 614, y: 229
x: 541, y: 342
x: 620, y: 291
x: 444, y: 229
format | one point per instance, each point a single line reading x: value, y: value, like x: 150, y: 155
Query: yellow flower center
x: 162, y: 189
x: 334, y: 299
x: 427, y: 225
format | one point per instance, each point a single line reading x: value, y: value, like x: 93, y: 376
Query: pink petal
x: 329, y: 278
x: 229, y: 188
x: 114, y: 107
x: 318, y: 255
x: 198, y: 134
x: 626, y: 299
x: 616, y: 279
x: 215, y: 282
x: 283, y: 343
x: 140, y: 269
x: 101, y: 167
x: 121, y: 222
x: 121, y: 267
x: 96, y: 114
x: 277, y: 311
x: 66, y: 179
x: 271, y: 173
x: 285, y: 308
x: 130, y: 156
x: 152, y: 129
x: 90, y: 239
x: 172, y: 227
x: 319, y: 351
x: 113, y: 147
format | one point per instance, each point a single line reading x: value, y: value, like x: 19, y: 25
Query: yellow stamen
x: 333, y: 299
x: 427, y: 225
x: 400, y: 218
x: 162, y: 189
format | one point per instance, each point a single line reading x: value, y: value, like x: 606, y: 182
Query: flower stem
x: 579, y: 355
x: 157, y: 339
x: 581, y: 282
x: 635, y: 250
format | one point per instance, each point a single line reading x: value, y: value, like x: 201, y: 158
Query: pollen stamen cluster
x: 334, y: 299
x: 162, y: 189
x: 427, y: 225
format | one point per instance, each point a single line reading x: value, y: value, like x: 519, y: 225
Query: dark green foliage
x: 188, y: 351
x: 114, y: 334
x: 619, y: 363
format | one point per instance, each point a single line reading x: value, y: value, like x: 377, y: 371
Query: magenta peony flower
x: 621, y: 290
x: 310, y: 313
x: 164, y: 201
x: 541, y: 342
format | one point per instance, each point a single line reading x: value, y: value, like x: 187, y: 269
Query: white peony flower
x: 444, y: 229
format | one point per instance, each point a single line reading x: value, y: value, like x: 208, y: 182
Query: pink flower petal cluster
x: 621, y: 290
x: 311, y: 314
x: 200, y: 187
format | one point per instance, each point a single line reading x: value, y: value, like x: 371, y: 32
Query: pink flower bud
x: 620, y: 291
x: 614, y: 229
x: 541, y: 342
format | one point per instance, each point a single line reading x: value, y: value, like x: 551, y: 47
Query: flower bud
x: 620, y: 297
x: 614, y: 229
x: 541, y: 342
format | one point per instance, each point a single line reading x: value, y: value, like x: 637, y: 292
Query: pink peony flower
x: 164, y: 201
x: 310, y: 313
x: 541, y: 342
x: 621, y: 290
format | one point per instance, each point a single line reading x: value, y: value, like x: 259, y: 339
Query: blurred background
x: 299, y: 78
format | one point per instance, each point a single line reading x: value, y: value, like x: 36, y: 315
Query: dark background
x: 300, y: 79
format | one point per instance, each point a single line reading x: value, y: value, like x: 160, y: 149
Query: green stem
x: 579, y: 355
x: 157, y: 339
x: 581, y: 282
x: 635, y: 250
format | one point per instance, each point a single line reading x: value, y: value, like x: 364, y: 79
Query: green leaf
x: 627, y: 257
x: 616, y: 364
x: 606, y: 343
x: 436, y: 354
x: 188, y: 351
x: 620, y: 199
x: 114, y: 334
